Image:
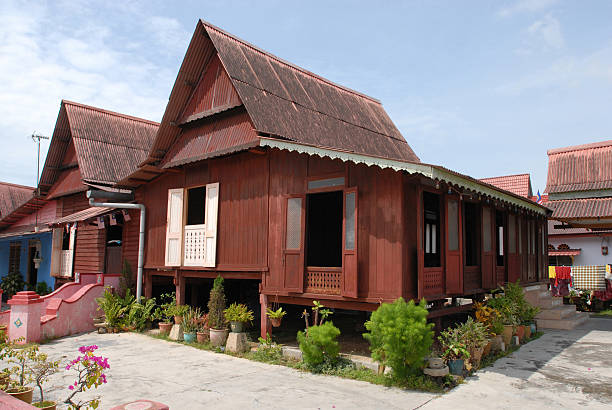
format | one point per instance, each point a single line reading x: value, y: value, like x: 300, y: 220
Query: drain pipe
x: 141, y: 236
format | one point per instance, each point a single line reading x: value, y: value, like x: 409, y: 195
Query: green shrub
x: 267, y: 351
x: 42, y: 288
x: 216, y: 305
x: 12, y: 283
x: 318, y: 344
x: 400, y: 336
x: 238, y: 312
x: 113, y: 307
x: 141, y: 314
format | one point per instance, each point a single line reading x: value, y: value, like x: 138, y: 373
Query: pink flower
x: 71, y: 387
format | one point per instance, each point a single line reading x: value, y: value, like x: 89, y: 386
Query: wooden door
x: 294, y: 238
x: 454, y: 264
x: 350, y: 276
x: 488, y: 248
x: 514, y: 260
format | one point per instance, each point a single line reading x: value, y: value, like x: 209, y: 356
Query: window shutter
x: 174, y: 227
x: 293, y: 249
x: 212, y: 212
x: 350, y: 273
x: 56, y: 251
x: 73, y: 230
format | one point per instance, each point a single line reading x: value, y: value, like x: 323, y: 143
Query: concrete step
x: 558, y: 312
x: 549, y: 303
x: 535, y: 288
x: 563, y: 324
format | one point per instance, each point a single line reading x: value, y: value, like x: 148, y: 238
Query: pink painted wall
x: 45, y: 214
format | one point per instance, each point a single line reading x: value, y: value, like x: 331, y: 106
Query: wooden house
x: 90, y: 147
x: 264, y: 171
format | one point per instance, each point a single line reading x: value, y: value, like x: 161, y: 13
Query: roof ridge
x: 287, y: 63
x: 117, y: 114
x: 17, y: 185
x: 507, y: 176
x: 581, y: 147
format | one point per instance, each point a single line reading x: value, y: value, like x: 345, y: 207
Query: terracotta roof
x: 81, y: 215
x: 581, y: 208
x: 517, y: 184
x: 580, y: 168
x: 13, y: 196
x: 282, y: 100
x: 108, y: 145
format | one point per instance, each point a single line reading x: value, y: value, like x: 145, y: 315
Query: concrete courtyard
x: 560, y: 370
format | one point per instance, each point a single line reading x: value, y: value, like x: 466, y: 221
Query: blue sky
x: 481, y: 87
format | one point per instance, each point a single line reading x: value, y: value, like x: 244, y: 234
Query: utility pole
x: 36, y: 138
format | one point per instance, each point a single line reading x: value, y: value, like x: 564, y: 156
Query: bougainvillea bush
x: 90, y: 374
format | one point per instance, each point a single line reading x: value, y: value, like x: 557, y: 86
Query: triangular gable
x: 214, y: 93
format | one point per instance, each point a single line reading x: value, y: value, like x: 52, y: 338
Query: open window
x: 191, y: 228
x: 114, y: 246
x: 62, y: 250
x: 14, y: 257
x: 324, y: 229
x: 431, y: 231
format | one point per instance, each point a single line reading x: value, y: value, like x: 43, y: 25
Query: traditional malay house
x: 90, y: 147
x: 262, y: 171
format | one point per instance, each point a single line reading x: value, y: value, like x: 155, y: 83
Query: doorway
x: 324, y: 229
x: 33, y: 256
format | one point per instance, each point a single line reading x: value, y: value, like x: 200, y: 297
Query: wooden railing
x: 323, y: 280
x: 195, y: 248
x: 65, y: 262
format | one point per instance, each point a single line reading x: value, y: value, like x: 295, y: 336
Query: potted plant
x: 454, y: 351
x: 203, y: 330
x: 474, y: 335
x: 497, y: 329
x: 190, y: 324
x: 276, y: 316
x: 41, y: 368
x: 216, y: 319
x: 21, y: 356
x: 165, y: 312
x: 178, y: 311
x: 238, y: 314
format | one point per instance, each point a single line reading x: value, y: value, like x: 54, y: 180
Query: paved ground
x: 560, y: 370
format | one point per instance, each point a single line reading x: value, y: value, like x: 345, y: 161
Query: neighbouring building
x: 295, y: 188
x: 579, y: 189
x: 519, y: 184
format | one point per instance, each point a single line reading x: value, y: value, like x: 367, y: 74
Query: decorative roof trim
x: 429, y: 171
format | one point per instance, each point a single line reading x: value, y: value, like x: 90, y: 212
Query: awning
x: 564, y: 252
x: 81, y: 215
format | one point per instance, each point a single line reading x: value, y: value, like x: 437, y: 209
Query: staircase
x: 553, y: 313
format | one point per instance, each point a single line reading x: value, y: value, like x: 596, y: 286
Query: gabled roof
x: 13, y: 196
x: 283, y: 101
x: 580, y: 168
x: 108, y: 145
x: 518, y: 184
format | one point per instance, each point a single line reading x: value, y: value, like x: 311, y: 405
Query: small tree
x: 318, y: 344
x: 216, y: 305
x: 90, y: 373
x: 41, y: 368
x: 400, y: 336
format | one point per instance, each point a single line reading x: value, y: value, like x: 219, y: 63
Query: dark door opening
x: 114, y: 239
x: 324, y: 229
x: 471, y: 234
x: 32, y: 269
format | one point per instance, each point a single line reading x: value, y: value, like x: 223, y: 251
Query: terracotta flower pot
x: 203, y: 337
x: 520, y: 332
x: 276, y: 321
x: 218, y: 336
x: 178, y: 320
x: 527, y: 331
x: 24, y: 394
x: 487, y: 349
x: 476, y: 356
x: 507, y: 335
x: 164, y: 328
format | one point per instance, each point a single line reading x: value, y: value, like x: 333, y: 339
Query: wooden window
x: 14, y: 257
x: 486, y: 228
x: 293, y: 240
x: 324, y: 229
x: 453, y: 225
x: 62, y: 251
x: 174, y: 227
x: 471, y: 232
x: 212, y: 215
x: 350, y: 221
x: 196, y: 206
x: 511, y: 233
x: 431, y: 211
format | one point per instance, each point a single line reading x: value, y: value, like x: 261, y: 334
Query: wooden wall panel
x: 409, y: 254
x: 89, y: 250
x: 72, y: 203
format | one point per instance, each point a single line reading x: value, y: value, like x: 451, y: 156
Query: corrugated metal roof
x: 108, y: 145
x: 580, y: 168
x: 226, y: 135
x: 518, y: 184
x: 12, y: 196
x: 590, y: 208
x: 282, y: 100
x: 81, y: 215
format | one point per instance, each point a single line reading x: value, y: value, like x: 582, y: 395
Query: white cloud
x: 566, y: 72
x: 526, y: 6
x: 169, y: 32
x: 46, y: 57
x: 548, y: 29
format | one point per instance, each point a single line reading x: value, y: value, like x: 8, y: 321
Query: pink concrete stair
x: 553, y: 314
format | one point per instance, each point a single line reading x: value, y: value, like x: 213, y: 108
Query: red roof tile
x: 580, y: 168
x: 517, y: 184
x: 12, y: 196
x: 581, y: 208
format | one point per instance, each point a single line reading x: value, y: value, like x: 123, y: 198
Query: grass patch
x: 604, y: 313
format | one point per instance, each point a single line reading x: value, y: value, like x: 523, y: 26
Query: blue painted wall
x: 44, y: 271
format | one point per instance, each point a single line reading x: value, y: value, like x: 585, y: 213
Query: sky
x: 481, y: 87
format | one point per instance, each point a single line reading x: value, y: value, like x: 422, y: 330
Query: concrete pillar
x: 266, y: 325
x: 26, y: 310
